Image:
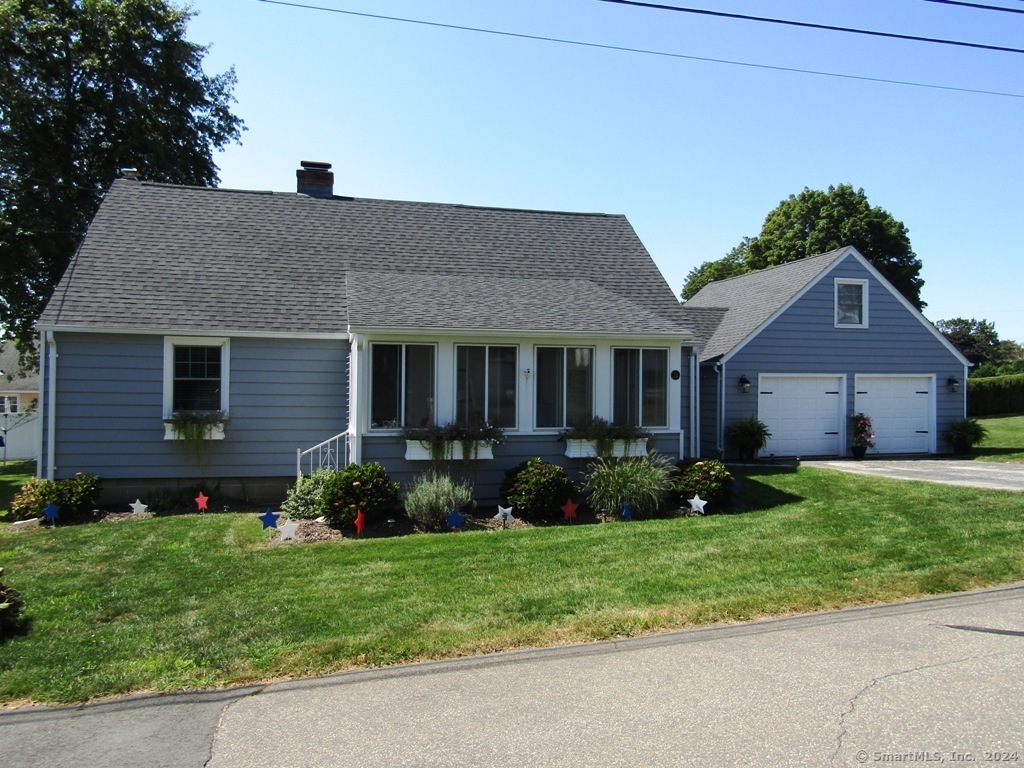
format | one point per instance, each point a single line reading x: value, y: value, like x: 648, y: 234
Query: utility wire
x: 977, y: 5
x: 810, y: 25
x: 648, y: 52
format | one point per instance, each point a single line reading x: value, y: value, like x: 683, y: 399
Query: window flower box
x: 416, y: 450
x: 587, y: 449
x: 213, y: 431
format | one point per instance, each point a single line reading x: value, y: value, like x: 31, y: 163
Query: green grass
x: 12, y: 477
x: 198, y: 601
x: 1005, y: 441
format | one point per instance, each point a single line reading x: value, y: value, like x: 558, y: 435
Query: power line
x: 979, y: 6
x: 810, y: 25
x: 648, y: 52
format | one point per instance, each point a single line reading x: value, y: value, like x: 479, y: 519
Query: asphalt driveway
x: 974, y: 474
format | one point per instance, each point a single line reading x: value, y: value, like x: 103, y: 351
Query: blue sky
x: 695, y: 153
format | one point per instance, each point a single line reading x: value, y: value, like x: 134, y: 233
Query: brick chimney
x: 315, y: 179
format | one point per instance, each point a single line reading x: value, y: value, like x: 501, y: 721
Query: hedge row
x: 998, y: 394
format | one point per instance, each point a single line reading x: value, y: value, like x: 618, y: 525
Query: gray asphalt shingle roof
x: 163, y: 257
x: 747, y: 301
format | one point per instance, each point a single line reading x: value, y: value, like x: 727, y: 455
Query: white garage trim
x: 806, y: 413
x: 903, y: 408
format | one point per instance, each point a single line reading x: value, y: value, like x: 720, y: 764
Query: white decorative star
x: 138, y: 508
x: 504, y: 514
x: 697, y: 504
x: 288, y: 529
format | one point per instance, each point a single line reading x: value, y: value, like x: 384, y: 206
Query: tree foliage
x: 734, y: 263
x: 979, y: 342
x: 814, y: 222
x: 88, y: 87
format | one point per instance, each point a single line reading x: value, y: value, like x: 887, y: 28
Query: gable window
x: 401, y: 385
x: 195, y: 374
x: 9, y: 404
x: 485, y: 385
x: 640, y: 387
x: 565, y: 386
x: 851, y: 304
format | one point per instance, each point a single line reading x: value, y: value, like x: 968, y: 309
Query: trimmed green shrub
x: 432, y: 496
x: 303, y: 499
x: 644, y: 482
x: 74, y: 495
x: 10, y: 609
x: 358, y: 486
x: 537, y: 488
x: 706, y: 478
x: 997, y: 395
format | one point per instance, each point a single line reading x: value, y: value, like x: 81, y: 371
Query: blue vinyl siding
x: 284, y: 394
x: 708, y: 411
x: 804, y: 339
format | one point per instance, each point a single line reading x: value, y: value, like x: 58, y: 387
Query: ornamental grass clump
x: 706, y: 478
x: 645, y: 482
x: 431, y: 498
x: 366, y: 487
x: 538, y: 488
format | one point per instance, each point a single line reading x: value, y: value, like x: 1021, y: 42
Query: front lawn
x: 201, y: 600
x: 12, y: 477
x: 1005, y: 441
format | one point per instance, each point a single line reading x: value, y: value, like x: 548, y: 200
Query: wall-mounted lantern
x: 954, y: 384
x: 744, y: 384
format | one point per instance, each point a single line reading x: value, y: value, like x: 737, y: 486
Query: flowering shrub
x: 538, y: 488
x: 74, y: 495
x: 862, y: 431
x: 706, y: 478
x: 358, y: 486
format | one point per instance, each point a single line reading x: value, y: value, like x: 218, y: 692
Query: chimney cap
x: 314, y: 165
x: 129, y: 173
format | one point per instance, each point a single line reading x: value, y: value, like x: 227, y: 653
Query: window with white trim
x: 565, y: 386
x: 402, y: 382
x: 851, y: 304
x: 9, y: 404
x: 485, y: 385
x: 195, y: 374
x: 640, y: 394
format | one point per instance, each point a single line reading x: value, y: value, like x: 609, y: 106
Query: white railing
x: 333, y: 453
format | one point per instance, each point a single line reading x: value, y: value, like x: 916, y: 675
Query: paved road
x: 975, y: 474
x: 942, y: 677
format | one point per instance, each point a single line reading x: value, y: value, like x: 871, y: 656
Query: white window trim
x: 370, y: 429
x: 565, y: 389
x: 487, y: 369
x: 170, y: 342
x: 864, y: 302
x: 668, y: 371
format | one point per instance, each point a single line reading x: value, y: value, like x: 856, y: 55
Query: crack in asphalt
x: 223, y: 713
x: 987, y: 630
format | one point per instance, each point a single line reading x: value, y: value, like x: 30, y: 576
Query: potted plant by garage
x: 965, y: 433
x: 862, y: 432
x: 748, y: 436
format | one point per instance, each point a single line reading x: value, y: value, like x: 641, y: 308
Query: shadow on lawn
x: 751, y: 494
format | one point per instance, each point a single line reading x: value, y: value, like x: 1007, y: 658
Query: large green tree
x: 88, y: 87
x: 814, y: 222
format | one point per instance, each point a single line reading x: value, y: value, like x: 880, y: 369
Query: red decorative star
x: 201, y: 501
x: 360, y: 522
x: 569, y: 508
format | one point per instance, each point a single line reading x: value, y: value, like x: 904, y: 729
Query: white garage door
x: 803, y: 413
x: 901, y: 410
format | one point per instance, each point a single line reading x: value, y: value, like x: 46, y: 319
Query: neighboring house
x: 307, y: 316
x: 805, y: 345
x: 19, y: 398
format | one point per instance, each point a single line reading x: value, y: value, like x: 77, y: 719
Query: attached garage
x: 804, y: 413
x: 901, y: 409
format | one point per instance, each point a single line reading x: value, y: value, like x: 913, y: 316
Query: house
x: 313, y: 320
x: 805, y: 345
x: 19, y: 397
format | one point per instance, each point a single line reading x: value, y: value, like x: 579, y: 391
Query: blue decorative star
x: 51, y: 512
x: 455, y: 520
x: 269, y: 519
x: 627, y: 511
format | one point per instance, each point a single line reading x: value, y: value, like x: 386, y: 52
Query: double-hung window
x: 640, y: 387
x: 9, y: 404
x: 485, y: 386
x: 195, y: 374
x: 565, y: 386
x: 401, y: 385
x: 851, y: 304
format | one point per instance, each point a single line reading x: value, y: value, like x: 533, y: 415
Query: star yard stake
x: 269, y: 519
x: 697, y: 504
x: 455, y: 520
x: 627, y: 511
x: 138, y: 508
x: 360, y: 522
x: 289, y: 529
x: 51, y: 512
x: 569, y: 508
x: 504, y: 514
x: 201, y: 501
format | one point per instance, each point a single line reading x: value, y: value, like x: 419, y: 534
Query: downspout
x: 43, y: 401
x: 720, y: 370
x: 51, y: 405
x: 967, y: 389
x: 694, y: 403
x: 355, y: 376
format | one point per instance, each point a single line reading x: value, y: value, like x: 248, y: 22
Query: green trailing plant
x: 11, y: 604
x: 440, y: 440
x: 748, y: 436
x: 706, y: 478
x: 303, y: 499
x: 366, y: 487
x: 432, y: 496
x: 604, y: 434
x: 193, y: 429
x: 644, y: 482
x: 75, y: 496
x: 537, y: 488
x: 966, y: 433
